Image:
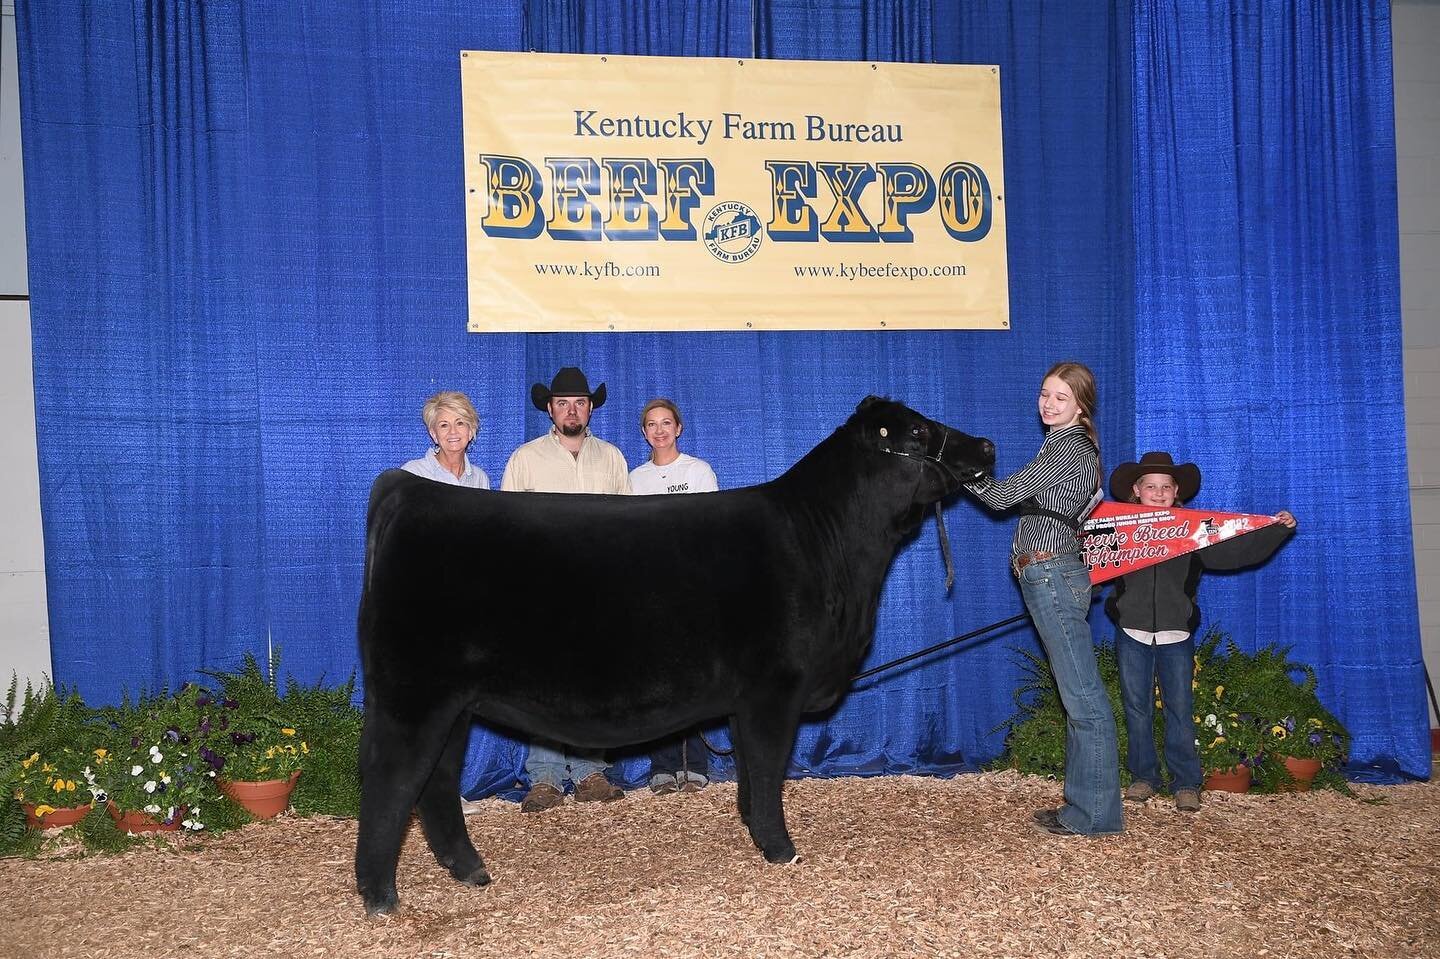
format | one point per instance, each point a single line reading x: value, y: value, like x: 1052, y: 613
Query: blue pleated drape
x: 246, y: 235
x: 1267, y: 334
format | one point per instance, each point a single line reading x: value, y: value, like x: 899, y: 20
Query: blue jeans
x: 1057, y: 594
x: 686, y: 752
x: 549, y: 763
x: 1174, y: 663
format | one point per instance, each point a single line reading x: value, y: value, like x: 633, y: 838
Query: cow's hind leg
x: 396, y: 758
x: 440, y: 811
x: 767, y: 737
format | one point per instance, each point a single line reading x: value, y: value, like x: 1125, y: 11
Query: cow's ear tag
x: 884, y: 431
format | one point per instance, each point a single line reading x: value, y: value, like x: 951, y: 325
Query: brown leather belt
x: 1025, y: 559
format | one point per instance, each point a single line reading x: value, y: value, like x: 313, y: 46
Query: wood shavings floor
x: 897, y: 866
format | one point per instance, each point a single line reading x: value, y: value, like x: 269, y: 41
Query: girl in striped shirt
x: 1055, y: 491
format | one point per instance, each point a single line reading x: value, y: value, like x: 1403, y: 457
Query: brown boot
x: 596, y: 788
x: 542, y: 796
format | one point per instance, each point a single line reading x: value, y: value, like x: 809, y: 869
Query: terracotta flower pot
x: 264, y: 799
x: 138, y: 821
x: 1303, y: 771
x: 68, y: 816
x: 1236, y: 779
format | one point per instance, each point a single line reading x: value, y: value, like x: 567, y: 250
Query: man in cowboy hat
x: 566, y: 459
x: 1156, y: 616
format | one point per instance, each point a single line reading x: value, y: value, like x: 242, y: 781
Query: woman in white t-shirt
x: 668, y: 470
x: 680, y: 764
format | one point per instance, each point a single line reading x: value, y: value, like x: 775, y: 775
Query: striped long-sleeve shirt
x: 1062, y: 477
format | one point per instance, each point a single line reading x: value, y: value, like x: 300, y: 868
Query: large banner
x: 659, y: 193
x: 1120, y: 538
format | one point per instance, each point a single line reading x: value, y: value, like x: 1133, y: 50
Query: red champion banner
x: 1120, y: 538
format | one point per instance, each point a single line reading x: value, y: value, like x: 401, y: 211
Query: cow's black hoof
x: 475, y: 877
x: 783, y: 854
x: 381, y: 905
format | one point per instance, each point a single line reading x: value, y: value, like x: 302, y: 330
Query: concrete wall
x: 24, y: 623
x: 1417, y: 138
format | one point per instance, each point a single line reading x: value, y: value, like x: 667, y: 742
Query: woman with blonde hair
x: 1056, y: 491
x: 452, y: 423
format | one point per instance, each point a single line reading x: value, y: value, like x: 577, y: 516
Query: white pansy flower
x: 1219, y: 729
x: 136, y: 770
x: 152, y: 809
x: 150, y: 786
x: 1210, y: 719
x: 165, y: 778
x: 156, y: 756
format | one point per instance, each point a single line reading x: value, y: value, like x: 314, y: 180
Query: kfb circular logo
x: 731, y: 232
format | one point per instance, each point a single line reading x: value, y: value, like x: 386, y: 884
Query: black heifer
x: 604, y: 621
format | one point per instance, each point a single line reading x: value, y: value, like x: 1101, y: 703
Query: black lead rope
x: 898, y: 662
x: 937, y: 647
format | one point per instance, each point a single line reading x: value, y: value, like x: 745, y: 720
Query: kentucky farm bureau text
x: 734, y: 126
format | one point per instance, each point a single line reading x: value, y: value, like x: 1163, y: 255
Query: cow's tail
x: 379, y: 518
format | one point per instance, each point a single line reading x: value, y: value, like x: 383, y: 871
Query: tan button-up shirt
x: 544, y: 466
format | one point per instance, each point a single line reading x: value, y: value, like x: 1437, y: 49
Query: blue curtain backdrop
x: 246, y: 237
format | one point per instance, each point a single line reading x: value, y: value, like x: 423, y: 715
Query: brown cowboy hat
x: 568, y: 382
x: 1186, y: 476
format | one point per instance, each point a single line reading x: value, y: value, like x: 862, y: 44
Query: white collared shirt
x: 430, y: 467
x: 1165, y: 637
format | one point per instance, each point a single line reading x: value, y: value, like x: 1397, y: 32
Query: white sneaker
x: 469, y: 807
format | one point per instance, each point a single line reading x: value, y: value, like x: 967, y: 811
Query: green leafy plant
x: 59, y: 778
x: 162, y: 752
x: 41, y: 727
x: 1227, y: 740
x: 328, y: 750
x: 1260, y: 689
x: 156, y: 766
x: 266, y: 752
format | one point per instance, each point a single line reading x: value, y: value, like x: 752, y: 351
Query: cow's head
x: 943, y: 457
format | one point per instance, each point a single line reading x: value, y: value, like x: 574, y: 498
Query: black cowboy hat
x: 1186, y: 476
x: 568, y: 382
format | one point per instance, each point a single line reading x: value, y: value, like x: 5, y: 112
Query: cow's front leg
x: 395, y: 760
x: 440, y: 811
x: 767, y: 737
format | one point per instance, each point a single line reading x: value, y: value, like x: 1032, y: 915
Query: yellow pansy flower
x: 1278, y: 731
x: 43, y: 810
x: 1219, y: 691
x: 287, y: 731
